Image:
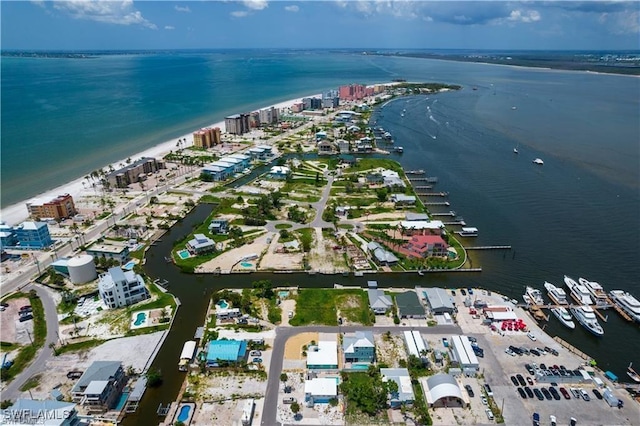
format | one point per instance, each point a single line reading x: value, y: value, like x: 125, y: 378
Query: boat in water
x: 415, y: 172
x: 399, y: 149
x: 587, y: 318
x: 557, y: 294
x: 564, y: 317
x: 596, y: 291
x: 468, y: 232
x: 578, y: 291
x: 538, y: 161
x: 535, y: 295
x: 515, y: 150
x: 633, y: 374
x: 627, y: 303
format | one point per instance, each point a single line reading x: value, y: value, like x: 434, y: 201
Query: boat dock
x: 488, y: 248
x: 572, y: 348
x: 433, y: 194
x: 450, y: 213
x: 619, y: 310
x: 445, y: 203
x: 457, y: 222
x: 424, y: 187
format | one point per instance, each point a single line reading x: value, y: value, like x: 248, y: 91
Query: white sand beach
x: 16, y: 213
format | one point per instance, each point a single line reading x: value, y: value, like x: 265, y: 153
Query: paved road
x: 12, y: 391
x: 283, y: 334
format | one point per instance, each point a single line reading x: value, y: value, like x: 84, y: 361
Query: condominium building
x: 269, y: 116
x: 237, y: 124
x: 119, y: 288
x: 207, y: 137
x: 32, y: 235
x: 354, y: 92
x: 61, y: 207
x: 134, y: 172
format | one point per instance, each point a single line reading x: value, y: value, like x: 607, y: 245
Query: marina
x: 587, y: 318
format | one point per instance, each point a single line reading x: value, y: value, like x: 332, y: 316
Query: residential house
x: 380, y: 255
x: 422, y: 227
x: 118, y: 288
x: 200, y: 244
x: 414, y: 217
x: 100, y: 385
x: 403, y: 200
x: 219, y: 226
x: 279, y: 172
x: 221, y: 352
x: 320, y: 390
x: 359, y: 347
x: 343, y: 146
x: 409, y: 305
x: 423, y: 246
x: 323, y: 356
x: 439, y: 300
x: 379, y: 302
x: 326, y: 147
x: 404, y: 394
x: 46, y: 412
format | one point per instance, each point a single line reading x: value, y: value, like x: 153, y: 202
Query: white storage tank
x: 82, y: 269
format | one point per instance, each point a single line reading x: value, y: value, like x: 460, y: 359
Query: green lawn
x: 320, y: 306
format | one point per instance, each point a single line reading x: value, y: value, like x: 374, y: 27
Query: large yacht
x: 587, y: 317
x: 534, y: 295
x: 564, y: 317
x: 627, y: 303
x: 578, y: 292
x: 596, y: 291
x: 556, y: 294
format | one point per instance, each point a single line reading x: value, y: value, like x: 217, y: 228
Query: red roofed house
x: 426, y: 246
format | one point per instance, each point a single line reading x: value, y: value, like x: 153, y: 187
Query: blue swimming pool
x: 223, y: 304
x: 122, y: 401
x: 246, y: 264
x: 360, y: 366
x: 141, y: 317
x: 129, y: 265
x: 184, y: 254
x: 183, y: 414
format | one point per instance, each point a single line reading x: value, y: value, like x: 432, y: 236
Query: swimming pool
x: 223, y: 304
x: 129, y: 265
x: 141, y: 318
x: 246, y: 264
x: 183, y: 413
x: 283, y: 294
x: 359, y: 367
x: 122, y: 401
x: 184, y: 254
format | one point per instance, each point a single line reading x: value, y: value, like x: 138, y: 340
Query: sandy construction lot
x: 280, y: 261
x: 293, y: 347
x: 131, y: 351
x: 229, y: 260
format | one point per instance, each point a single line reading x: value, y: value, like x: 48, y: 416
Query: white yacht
x: 556, y: 294
x: 535, y: 295
x: 578, y: 292
x: 587, y: 317
x: 564, y: 317
x: 538, y: 161
x: 596, y: 291
x: 627, y: 303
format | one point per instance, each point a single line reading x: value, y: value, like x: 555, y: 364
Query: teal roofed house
x: 226, y: 351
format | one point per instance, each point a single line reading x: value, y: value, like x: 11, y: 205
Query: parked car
x: 509, y: 352
x: 463, y: 292
x: 546, y: 393
x: 288, y: 400
x: 514, y: 380
x: 523, y: 395
x: 531, y: 336
x: 257, y: 360
x: 529, y: 369
x: 489, y: 414
x: 538, y: 394
x: 488, y: 389
x: 585, y: 395
x: 484, y: 400
x: 597, y: 393
x: 521, y: 380
x: 74, y: 375
x: 564, y: 393
x: 255, y: 353
x: 554, y: 393
x: 472, y: 339
x: 469, y: 390
x: 470, y: 290
x: 575, y: 392
x: 4, y: 304
x: 26, y: 308
x: 534, y: 352
x: 453, y: 292
x: 530, y: 381
x: 552, y: 420
x: 24, y: 318
x: 529, y: 392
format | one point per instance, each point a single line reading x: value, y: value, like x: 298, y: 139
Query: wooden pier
x: 458, y: 222
x: 424, y: 187
x: 433, y: 194
x: 445, y: 203
x: 619, y: 310
x: 488, y: 248
x: 450, y: 213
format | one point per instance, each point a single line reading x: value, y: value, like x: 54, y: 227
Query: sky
x: 479, y: 24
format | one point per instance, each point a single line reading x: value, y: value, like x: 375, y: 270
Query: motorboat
x: 468, y: 232
x: 563, y: 316
x: 415, y: 172
x: 535, y: 295
x: 633, y: 374
x: 399, y: 149
x: 538, y: 161
x: 515, y: 150
x: 587, y: 318
x: 578, y: 292
x: 557, y: 294
x: 627, y: 303
x: 596, y: 291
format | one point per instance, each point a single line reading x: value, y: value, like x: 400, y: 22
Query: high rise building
x: 61, y: 207
x: 237, y: 124
x: 206, y: 137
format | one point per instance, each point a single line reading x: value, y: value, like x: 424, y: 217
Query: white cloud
x: 622, y: 23
x: 240, y: 13
x: 292, y: 8
x: 526, y: 16
x: 169, y: 27
x: 184, y: 9
x: 256, y: 4
x: 110, y: 12
x: 40, y: 3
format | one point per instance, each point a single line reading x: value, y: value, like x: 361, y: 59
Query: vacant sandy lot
x: 228, y: 260
x: 293, y: 347
x: 280, y: 261
x: 11, y: 329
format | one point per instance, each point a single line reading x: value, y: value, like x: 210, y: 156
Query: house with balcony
x: 359, y: 347
x: 379, y: 302
x: 423, y: 246
x: 421, y: 227
x: 47, y: 412
x: 118, y: 288
x: 32, y: 235
x: 200, y: 244
x: 100, y: 386
x: 279, y: 172
x: 402, y: 200
x: 219, y: 226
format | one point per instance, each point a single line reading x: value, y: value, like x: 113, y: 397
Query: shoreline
x: 16, y: 213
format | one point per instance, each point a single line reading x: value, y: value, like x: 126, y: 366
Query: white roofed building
x: 320, y: 390
x: 404, y: 395
x: 323, y: 356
